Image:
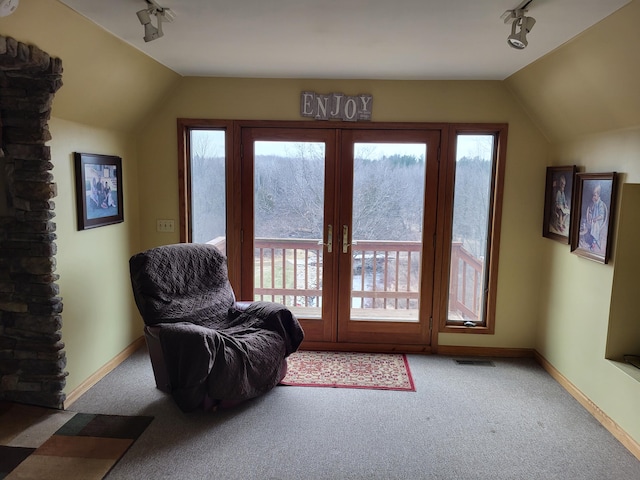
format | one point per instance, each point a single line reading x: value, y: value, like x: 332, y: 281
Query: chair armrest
x: 151, y: 335
x: 242, y: 306
x: 278, y: 318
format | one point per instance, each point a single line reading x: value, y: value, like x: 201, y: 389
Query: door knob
x: 345, y: 239
x: 329, y: 243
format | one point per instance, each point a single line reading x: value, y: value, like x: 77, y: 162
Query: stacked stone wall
x: 32, y: 356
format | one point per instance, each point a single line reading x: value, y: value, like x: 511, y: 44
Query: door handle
x: 345, y: 239
x: 329, y: 243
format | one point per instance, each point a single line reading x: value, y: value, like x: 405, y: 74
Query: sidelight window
x: 473, y: 231
x: 207, y: 182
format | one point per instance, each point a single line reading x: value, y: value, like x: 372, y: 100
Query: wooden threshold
x: 103, y: 371
x: 364, y: 347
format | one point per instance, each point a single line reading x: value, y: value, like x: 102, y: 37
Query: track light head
x: 7, y: 7
x: 144, y: 17
x: 518, y: 38
x: 162, y: 15
x: 152, y: 33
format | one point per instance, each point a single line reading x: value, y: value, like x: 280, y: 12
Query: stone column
x: 32, y: 357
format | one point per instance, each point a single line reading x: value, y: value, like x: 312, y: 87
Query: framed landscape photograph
x: 98, y: 190
x: 558, y: 195
x: 592, y: 222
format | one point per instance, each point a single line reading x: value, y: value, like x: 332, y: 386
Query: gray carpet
x: 510, y: 421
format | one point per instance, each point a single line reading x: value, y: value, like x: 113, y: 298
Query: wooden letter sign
x: 336, y: 106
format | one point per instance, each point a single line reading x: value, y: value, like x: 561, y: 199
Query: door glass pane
x: 289, y: 223
x: 471, y: 204
x: 208, y: 197
x: 387, y: 222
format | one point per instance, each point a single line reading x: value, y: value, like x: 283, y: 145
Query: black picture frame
x: 558, y: 203
x: 592, y: 225
x: 99, y: 193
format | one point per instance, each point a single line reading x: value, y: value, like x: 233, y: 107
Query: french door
x: 339, y: 225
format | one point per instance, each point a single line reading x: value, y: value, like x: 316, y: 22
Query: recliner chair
x: 206, y: 349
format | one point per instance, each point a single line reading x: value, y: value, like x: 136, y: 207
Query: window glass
x: 208, y: 194
x: 288, y: 224
x: 470, y: 240
x: 388, y: 213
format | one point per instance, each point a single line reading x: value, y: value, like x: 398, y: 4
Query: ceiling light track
x: 521, y: 25
x: 162, y: 14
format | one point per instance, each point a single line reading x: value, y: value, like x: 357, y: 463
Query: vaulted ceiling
x: 373, y: 39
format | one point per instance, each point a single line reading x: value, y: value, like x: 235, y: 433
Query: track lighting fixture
x: 162, y: 15
x: 7, y: 7
x: 520, y: 27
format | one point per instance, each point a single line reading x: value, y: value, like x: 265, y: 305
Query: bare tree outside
x: 289, y: 191
x: 384, y: 195
x: 471, y: 210
x: 208, y: 189
x: 473, y: 195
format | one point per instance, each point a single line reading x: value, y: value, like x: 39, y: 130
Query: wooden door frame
x: 233, y: 129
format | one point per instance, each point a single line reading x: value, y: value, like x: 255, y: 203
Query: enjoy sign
x: 350, y: 108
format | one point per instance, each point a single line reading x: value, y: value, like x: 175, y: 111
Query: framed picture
x: 558, y: 195
x: 98, y: 190
x: 592, y: 223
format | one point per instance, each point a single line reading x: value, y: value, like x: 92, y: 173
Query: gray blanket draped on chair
x: 212, y: 347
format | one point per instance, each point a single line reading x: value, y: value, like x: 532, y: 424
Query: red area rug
x: 379, y: 371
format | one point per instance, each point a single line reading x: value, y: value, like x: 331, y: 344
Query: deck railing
x: 466, y: 282
x: 385, y: 275
x: 288, y: 271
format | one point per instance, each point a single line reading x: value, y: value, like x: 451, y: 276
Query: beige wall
x: 623, y: 335
x: 99, y: 317
x: 585, y: 98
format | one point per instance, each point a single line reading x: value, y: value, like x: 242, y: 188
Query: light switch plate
x: 165, y: 226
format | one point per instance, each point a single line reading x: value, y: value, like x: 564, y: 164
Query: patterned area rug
x: 380, y: 371
x: 41, y: 443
